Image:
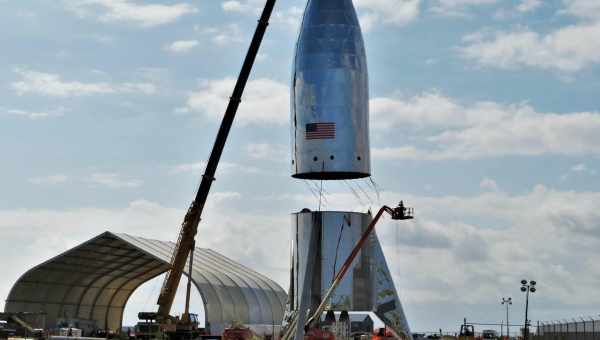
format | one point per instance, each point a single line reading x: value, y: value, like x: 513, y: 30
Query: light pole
x: 527, y: 287
x: 507, y: 302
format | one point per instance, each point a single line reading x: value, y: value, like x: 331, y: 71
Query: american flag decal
x: 320, y: 131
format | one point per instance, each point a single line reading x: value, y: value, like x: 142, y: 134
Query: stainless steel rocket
x: 368, y: 286
x: 330, y: 141
x: 330, y: 95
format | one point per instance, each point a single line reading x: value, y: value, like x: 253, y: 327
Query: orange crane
x: 186, y: 240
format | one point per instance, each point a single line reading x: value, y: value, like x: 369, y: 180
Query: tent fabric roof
x: 94, y: 280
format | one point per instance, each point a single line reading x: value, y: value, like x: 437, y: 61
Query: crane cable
x: 353, y: 191
x: 337, y: 247
x: 375, y: 188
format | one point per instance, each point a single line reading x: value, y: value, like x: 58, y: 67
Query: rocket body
x: 368, y: 285
x: 330, y: 95
x: 330, y: 141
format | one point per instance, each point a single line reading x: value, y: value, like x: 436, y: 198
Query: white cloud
x: 586, y: 9
x: 232, y: 6
x: 100, y: 38
x: 488, y: 184
x: 265, y: 101
x: 144, y: 88
x: 53, y: 85
x: 267, y: 151
x: 568, y: 49
x: 199, y: 167
x: 261, y: 57
x: 401, y: 152
x: 457, y: 7
x: 528, y: 5
x: 113, y: 181
x: 224, y: 168
x: 144, y: 15
x: 243, y: 6
x: 387, y: 12
x: 51, y: 179
x: 291, y: 17
x: 181, y: 110
x: 442, y: 128
x: 561, y: 219
x: 371, y: 12
x: 181, y: 46
x: 426, y: 110
x: 580, y: 169
x: 224, y: 35
x: 33, y: 115
x: 547, y: 235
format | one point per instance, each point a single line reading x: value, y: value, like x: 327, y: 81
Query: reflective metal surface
x: 368, y: 286
x: 330, y: 95
x: 94, y: 280
x: 387, y: 304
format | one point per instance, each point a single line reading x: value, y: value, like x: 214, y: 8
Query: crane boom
x: 189, y: 227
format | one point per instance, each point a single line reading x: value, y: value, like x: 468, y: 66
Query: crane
x: 186, y: 240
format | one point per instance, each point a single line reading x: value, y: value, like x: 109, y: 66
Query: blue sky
x: 484, y: 116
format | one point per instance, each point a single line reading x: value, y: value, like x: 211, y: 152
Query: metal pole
x: 558, y: 329
x: 526, y: 327
x: 507, y: 323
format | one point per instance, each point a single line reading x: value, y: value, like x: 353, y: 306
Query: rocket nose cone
x: 330, y: 12
x: 330, y: 95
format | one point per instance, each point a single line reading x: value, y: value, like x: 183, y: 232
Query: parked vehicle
x: 489, y: 334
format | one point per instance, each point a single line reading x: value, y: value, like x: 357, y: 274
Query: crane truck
x: 161, y: 323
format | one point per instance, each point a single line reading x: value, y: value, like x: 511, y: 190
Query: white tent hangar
x: 94, y: 280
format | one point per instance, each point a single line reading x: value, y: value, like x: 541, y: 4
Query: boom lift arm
x: 189, y: 227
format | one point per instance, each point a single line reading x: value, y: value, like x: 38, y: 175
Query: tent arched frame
x: 94, y: 280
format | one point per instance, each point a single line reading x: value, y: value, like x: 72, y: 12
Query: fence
x: 581, y: 329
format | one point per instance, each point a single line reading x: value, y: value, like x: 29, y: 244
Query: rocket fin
x: 386, y: 303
